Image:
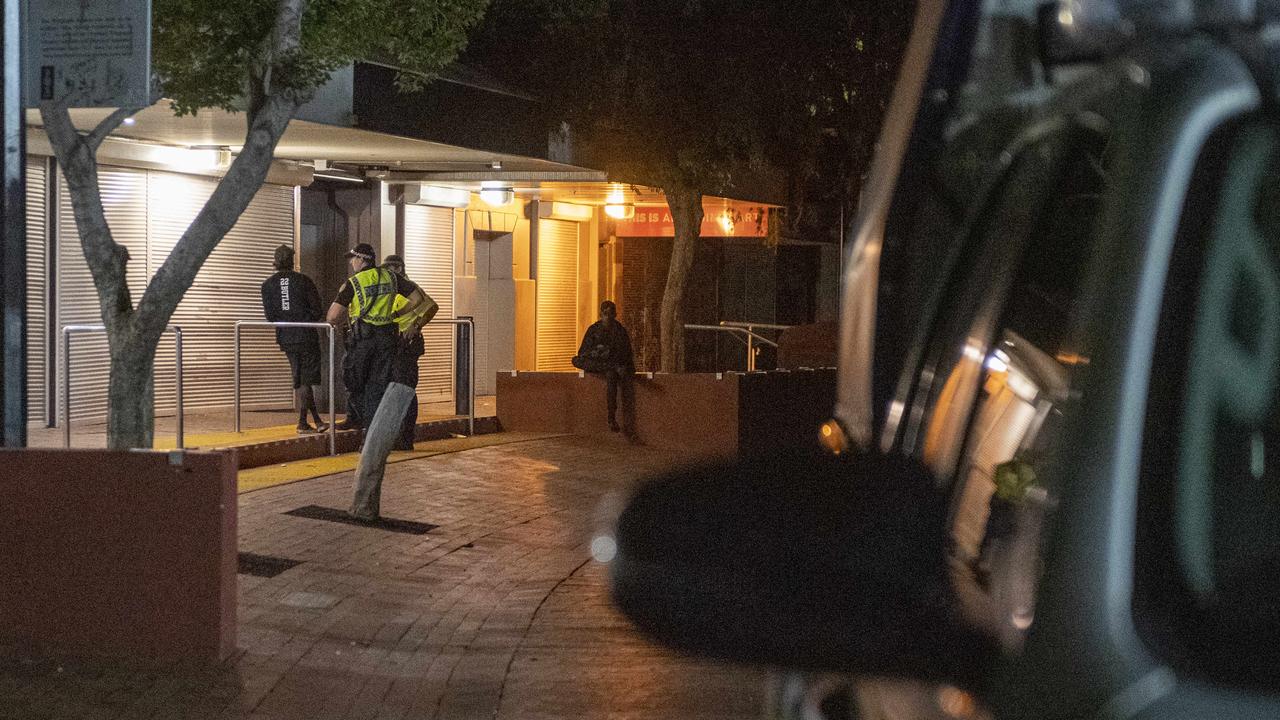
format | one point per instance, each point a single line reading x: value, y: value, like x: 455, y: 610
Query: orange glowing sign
x: 720, y: 218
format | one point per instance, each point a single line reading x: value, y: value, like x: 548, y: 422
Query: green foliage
x: 207, y: 52
x: 703, y: 94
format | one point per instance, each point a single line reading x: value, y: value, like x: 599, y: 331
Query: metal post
x: 180, y: 441
x: 333, y: 416
x: 236, y: 375
x: 66, y: 386
x: 67, y: 330
x: 751, y: 355
x: 13, y: 244
x: 463, y: 361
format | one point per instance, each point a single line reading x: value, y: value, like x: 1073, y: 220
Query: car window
x: 1208, y: 551
x: 1005, y: 371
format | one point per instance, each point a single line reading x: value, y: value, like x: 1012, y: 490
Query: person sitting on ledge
x: 606, y: 350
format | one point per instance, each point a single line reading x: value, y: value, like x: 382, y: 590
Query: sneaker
x: 305, y: 429
x: 348, y: 425
x: 322, y: 428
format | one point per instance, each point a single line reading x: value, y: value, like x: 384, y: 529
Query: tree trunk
x: 686, y: 212
x: 131, y: 397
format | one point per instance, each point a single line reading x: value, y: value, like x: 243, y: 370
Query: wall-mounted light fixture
x: 620, y: 211
x: 495, y: 193
x: 423, y: 194
x: 565, y: 211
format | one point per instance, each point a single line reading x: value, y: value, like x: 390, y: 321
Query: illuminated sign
x: 720, y: 218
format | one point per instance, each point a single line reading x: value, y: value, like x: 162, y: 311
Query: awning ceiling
x: 309, y: 141
x: 388, y: 157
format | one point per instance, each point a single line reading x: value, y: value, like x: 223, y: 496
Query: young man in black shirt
x: 606, y: 349
x: 289, y: 296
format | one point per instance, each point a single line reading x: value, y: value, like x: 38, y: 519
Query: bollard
x: 378, y: 439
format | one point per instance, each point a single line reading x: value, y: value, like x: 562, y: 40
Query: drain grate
x: 263, y: 565
x: 317, y: 512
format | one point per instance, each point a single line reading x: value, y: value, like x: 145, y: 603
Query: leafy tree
x: 262, y: 57
x: 698, y: 97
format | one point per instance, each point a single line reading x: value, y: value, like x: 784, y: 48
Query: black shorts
x: 304, y: 361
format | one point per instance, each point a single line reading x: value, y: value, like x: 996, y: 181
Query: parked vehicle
x: 1067, y: 505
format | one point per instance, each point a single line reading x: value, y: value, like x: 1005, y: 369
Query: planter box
x: 707, y: 414
x: 118, y: 554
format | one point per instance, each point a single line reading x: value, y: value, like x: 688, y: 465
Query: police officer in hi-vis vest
x: 368, y: 300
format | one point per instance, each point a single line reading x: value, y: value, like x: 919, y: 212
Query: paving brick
x: 499, y: 614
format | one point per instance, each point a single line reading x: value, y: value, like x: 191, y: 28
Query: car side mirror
x: 816, y: 563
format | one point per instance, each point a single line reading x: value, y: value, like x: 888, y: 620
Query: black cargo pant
x: 619, y: 381
x: 404, y: 370
x: 366, y: 369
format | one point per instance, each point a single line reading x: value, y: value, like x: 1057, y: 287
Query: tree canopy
x: 755, y: 99
x: 206, y: 53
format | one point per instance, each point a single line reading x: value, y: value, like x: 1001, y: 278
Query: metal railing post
x: 180, y: 441
x: 235, y: 383
x: 67, y: 331
x: 66, y: 386
x: 330, y: 330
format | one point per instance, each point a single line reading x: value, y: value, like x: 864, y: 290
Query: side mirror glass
x: 816, y: 563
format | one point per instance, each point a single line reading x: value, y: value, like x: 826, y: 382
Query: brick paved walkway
x: 498, y: 613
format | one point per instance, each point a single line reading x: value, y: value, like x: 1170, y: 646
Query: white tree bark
x: 133, y: 333
x: 686, y: 212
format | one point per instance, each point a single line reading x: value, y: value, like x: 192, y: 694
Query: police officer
x: 404, y: 368
x: 368, y: 300
x: 289, y: 296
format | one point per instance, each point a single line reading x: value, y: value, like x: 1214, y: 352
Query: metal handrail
x: 471, y: 361
x: 333, y: 415
x: 748, y: 334
x: 67, y: 331
x: 754, y: 325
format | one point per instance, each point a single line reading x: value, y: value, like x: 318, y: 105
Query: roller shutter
x: 557, y: 338
x: 428, y: 261
x: 227, y: 289
x: 37, y: 286
x: 148, y: 211
x: 124, y: 199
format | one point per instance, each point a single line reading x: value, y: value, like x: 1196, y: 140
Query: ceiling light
x: 129, y: 121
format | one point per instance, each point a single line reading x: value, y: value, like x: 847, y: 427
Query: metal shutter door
x: 557, y: 294
x: 428, y: 261
x: 124, y: 197
x: 226, y: 289
x: 37, y: 308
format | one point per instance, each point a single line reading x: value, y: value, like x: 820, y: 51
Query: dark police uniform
x: 290, y: 296
x: 369, y: 296
x: 404, y: 367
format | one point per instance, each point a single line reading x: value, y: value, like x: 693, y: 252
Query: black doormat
x: 263, y: 565
x: 316, y: 512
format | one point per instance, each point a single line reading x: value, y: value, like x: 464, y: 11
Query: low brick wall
x: 707, y: 414
x: 118, y: 554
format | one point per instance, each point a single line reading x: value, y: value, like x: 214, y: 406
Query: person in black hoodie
x: 289, y: 296
x: 606, y: 350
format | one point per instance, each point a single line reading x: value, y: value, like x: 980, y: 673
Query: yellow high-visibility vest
x: 404, y: 322
x: 374, y: 297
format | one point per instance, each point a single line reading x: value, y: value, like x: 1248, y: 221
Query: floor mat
x: 318, y: 512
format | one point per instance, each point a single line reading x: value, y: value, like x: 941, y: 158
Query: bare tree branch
x: 107, y: 259
x: 111, y: 122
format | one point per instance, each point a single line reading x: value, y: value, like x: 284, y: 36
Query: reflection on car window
x: 1015, y: 364
x: 1208, y: 552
